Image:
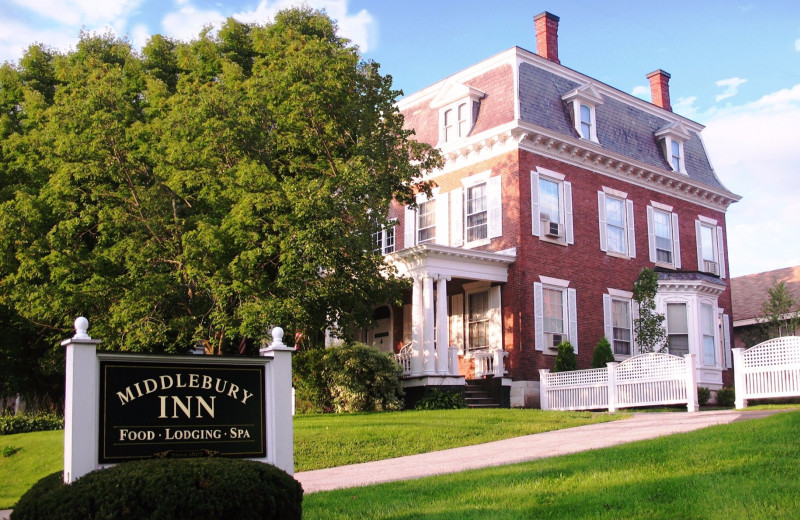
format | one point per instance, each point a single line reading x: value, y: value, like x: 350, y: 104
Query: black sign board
x: 170, y: 408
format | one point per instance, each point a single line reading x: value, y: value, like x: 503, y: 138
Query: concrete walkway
x: 520, y: 449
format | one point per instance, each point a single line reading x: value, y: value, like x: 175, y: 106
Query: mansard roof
x: 622, y: 127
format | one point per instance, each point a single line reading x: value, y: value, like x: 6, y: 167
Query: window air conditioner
x: 551, y: 229
x: 710, y: 267
x: 552, y: 341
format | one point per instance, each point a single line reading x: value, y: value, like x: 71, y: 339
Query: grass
x: 323, y: 441
x: 745, y: 470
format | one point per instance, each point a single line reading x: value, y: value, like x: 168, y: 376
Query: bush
x: 726, y: 396
x: 565, y: 359
x: 168, y: 489
x: 602, y: 354
x: 703, y: 395
x: 30, y: 422
x: 347, y: 378
x: 436, y: 399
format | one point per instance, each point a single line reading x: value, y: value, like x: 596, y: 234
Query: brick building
x: 557, y: 190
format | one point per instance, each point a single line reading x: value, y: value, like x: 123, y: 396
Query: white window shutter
x: 409, y: 228
x: 457, y: 217
x: 676, y: 242
x: 538, y: 315
x: 651, y: 234
x: 726, y: 340
x: 494, y: 194
x: 535, y: 220
x: 442, y: 220
x: 634, y: 317
x: 631, y: 232
x: 495, y: 321
x: 457, y: 321
x: 407, y: 324
x: 721, y: 252
x: 601, y: 209
x: 699, y: 237
x: 572, y: 305
x: 608, y: 318
x: 568, y: 212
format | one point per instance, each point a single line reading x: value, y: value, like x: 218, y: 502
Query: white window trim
x: 391, y: 225
x: 494, y: 210
x: 494, y: 328
x: 588, y: 96
x: 608, y: 319
x: 449, y: 98
x: 565, y: 207
x: 674, y: 133
x: 651, y: 235
x: 717, y: 237
x: 630, y: 235
x: 569, y: 300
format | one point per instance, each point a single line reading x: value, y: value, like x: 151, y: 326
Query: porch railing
x: 490, y: 362
x: 403, y: 358
x: 645, y: 380
x: 769, y: 369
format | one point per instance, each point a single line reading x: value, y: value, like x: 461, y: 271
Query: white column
x: 280, y: 432
x: 81, y: 414
x: 691, y: 383
x: 428, y: 326
x: 738, y: 378
x: 612, y: 386
x: 442, y: 327
x: 416, y: 328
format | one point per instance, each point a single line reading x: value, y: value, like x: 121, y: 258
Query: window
x: 426, y: 222
x: 662, y: 231
x: 458, y: 107
x: 477, y: 220
x: 448, y: 126
x: 710, y: 250
x: 677, y: 329
x: 707, y: 324
x: 384, y: 239
x: 551, y: 206
x: 582, y: 103
x: 478, y: 320
x: 621, y: 327
x: 672, y: 137
x: 555, y: 314
x: 616, y: 223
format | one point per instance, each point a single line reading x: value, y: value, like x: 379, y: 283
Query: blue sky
x: 735, y: 68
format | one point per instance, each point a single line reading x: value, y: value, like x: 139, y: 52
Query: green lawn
x: 323, y: 441
x: 745, y: 470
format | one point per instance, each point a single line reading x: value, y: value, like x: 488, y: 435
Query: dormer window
x: 672, y: 137
x: 458, y: 109
x: 582, y: 102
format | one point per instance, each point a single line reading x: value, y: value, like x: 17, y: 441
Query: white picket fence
x: 769, y: 369
x: 644, y: 380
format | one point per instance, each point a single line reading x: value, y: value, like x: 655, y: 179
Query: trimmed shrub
x: 565, y: 359
x: 347, y: 378
x: 703, y: 395
x: 168, y: 489
x: 602, y: 354
x: 726, y: 396
x: 436, y: 399
x: 30, y: 422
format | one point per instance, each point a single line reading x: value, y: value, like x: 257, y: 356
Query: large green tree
x: 202, y: 190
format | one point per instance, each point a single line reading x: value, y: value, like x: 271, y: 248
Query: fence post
x: 738, y: 378
x: 612, y: 386
x: 279, y: 400
x: 81, y: 414
x: 453, y: 365
x: 691, y: 383
x: 544, y: 401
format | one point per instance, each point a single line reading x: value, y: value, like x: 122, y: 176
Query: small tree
x: 780, y: 312
x: 649, y: 325
x: 565, y: 359
x: 602, y: 354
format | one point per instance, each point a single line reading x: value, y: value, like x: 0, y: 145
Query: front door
x: 380, y: 335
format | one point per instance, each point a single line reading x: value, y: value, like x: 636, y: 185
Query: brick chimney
x: 547, y: 36
x: 659, y: 88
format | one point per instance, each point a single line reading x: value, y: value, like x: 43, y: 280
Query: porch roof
x: 453, y: 262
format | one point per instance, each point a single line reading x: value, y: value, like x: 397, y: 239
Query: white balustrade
x: 769, y: 369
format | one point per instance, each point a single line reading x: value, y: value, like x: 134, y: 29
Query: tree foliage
x: 565, y: 358
x: 202, y: 190
x: 602, y: 354
x: 780, y: 312
x: 648, y: 326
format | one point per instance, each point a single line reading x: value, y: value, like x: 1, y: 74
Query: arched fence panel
x: 767, y: 370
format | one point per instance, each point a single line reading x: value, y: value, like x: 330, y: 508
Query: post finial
x: 81, y: 326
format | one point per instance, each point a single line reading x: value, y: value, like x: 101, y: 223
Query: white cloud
x: 731, y: 87
x: 755, y: 154
x: 797, y: 45
x: 81, y: 12
x: 16, y: 37
x: 187, y: 22
x: 642, y: 92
